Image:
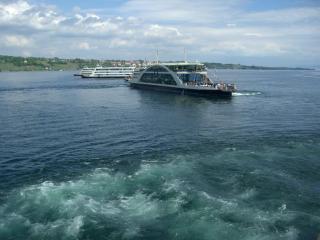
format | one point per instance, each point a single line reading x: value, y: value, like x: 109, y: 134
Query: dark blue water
x: 94, y: 159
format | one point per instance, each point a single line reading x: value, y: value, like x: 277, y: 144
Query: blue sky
x: 70, y: 4
x: 254, y: 5
x: 271, y: 33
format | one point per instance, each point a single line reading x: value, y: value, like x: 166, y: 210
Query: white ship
x: 107, y: 72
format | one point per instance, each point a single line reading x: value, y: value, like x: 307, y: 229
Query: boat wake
x: 246, y: 93
x: 158, y: 201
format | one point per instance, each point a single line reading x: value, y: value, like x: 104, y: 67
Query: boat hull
x: 210, y: 93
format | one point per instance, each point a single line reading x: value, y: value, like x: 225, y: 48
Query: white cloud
x: 15, y: 8
x: 84, y: 46
x: 231, y: 25
x: 161, y: 31
x: 116, y: 43
x: 203, y: 11
x: 26, y: 54
x: 22, y: 13
x: 17, y: 41
x: 284, y: 16
x: 253, y: 34
x: 245, y: 48
x: 205, y: 28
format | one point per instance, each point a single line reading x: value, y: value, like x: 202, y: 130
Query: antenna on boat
x: 157, y: 56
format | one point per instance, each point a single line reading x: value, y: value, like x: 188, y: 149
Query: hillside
x: 11, y: 63
x: 239, y: 66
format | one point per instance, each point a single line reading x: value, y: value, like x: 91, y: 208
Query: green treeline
x: 11, y: 63
x: 239, y: 66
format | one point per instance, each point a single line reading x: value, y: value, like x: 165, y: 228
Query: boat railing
x: 219, y: 86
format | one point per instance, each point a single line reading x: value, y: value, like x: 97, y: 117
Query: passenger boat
x: 107, y: 72
x: 182, y: 78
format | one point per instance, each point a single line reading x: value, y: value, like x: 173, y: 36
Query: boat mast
x: 185, y: 55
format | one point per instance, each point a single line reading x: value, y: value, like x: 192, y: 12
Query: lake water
x: 94, y: 159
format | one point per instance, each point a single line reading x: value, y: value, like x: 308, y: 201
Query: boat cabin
x: 175, y: 74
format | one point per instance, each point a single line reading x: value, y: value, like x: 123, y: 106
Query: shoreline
x: 232, y: 69
x: 30, y: 64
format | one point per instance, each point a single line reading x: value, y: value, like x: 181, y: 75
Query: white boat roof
x: 115, y: 67
x: 181, y: 63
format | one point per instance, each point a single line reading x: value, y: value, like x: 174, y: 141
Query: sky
x: 252, y: 32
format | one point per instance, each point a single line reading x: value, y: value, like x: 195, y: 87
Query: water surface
x: 94, y: 159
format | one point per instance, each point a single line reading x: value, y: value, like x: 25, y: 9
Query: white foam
x: 246, y: 93
x: 152, y: 193
x: 249, y: 193
x: 74, y: 228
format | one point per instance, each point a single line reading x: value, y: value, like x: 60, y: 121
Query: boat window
x: 158, y: 78
x: 157, y: 69
x: 188, y: 68
x: 192, y: 77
